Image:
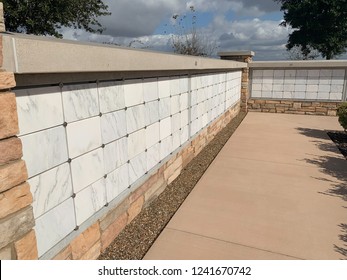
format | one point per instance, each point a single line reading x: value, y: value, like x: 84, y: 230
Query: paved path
x: 277, y: 190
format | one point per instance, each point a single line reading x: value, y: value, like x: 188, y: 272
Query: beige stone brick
x: 332, y: 113
x: 297, y: 105
x: 171, y: 169
x: 287, y: 102
x: 322, y: 110
x: 10, y: 150
x: 15, y: 226
x: 259, y: 101
x: 268, y: 106
x: 272, y: 102
x: 143, y: 188
x: 7, y: 80
x: 15, y: 199
x: 158, y: 184
x: 93, y: 253
x: 135, y: 208
x: 112, y: 231
x: 306, y: 104
x: 65, y: 254
x: 6, y: 253
x: 114, y: 214
x: 85, y: 241
x: 26, y: 247
x: 8, y: 116
x: 12, y: 174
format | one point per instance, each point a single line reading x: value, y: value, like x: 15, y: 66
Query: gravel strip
x: 137, y: 237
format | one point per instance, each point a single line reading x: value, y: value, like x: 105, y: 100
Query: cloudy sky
x: 229, y: 24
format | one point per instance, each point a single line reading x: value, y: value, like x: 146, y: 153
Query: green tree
x: 318, y: 25
x: 47, y: 17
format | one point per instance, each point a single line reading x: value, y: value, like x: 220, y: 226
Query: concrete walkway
x: 277, y: 190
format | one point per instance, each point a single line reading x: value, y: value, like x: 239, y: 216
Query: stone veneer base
x: 300, y: 107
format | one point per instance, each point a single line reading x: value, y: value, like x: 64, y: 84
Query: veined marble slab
x: 135, y: 118
x: 137, y: 167
x: 153, y: 156
x: 184, y: 118
x: 111, y: 96
x: 87, y: 169
x: 184, y: 137
x: 152, y: 112
x: 133, y: 92
x: 50, y: 189
x: 165, y: 128
x: 39, y: 108
x: 136, y: 143
x: 175, y: 104
x: 90, y: 200
x: 176, y: 141
x: 150, y: 90
x: 152, y: 134
x: 165, y: 147
x: 83, y: 136
x: 175, y: 85
x: 184, y: 84
x: 80, y: 102
x: 164, y: 107
x: 44, y: 150
x: 176, y: 122
x: 117, y: 181
x: 183, y: 101
x: 53, y: 226
x: 113, y: 126
x: 115, y: 154
x: 164, y: 87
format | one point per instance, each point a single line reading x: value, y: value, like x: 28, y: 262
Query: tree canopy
x: 318, y: 25
x: 47, y: 17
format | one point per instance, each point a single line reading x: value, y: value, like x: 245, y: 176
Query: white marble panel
x: 175, y: 85
x: 113, y: 126
x: 164, y: 108
x: 324, y: 88
x: 150, y: 90
x: 164, y: 87
x: 53, y: 226
x: 175, y: 104
x: 153, y: 156
x: 325, y: 73
x: 136, y: 143
x: 152, y: 112
x: 311, y: 95
x: 277, y: 94
x: 289, y: 87
x: 257, y: 73
x: 300, y: 88
x: 337, y: 81
x: 90, y: 200
x: 312, y: 81
x: 312, y: 88
x: 337, y: 88
x: 194, y: 127
x: 184, y: 134
x: 278, y: 87
x: 165, y: 128
x: 176, y: 140
x: 256, y: 93
x: 152, y: 134
x: 50, y: 189
x: 323, y: 96
x: 301, y: 81
x: 165, y: 147
x: 117, y: 182
x: 133, y: 92
x: 325, y: 81
x: 194, y: 112
x: 335, y: 96
x: 176, y: 122
x: 288, y: 94
x: 338, y: 73
x: 115, y: 154
x: 87, y: 169
x: 83, y: 136
x: 299, y: 94
x: 80, y: 102
x: 289, y: 73
x: 39, y: 108
x: 184, y: 84
x: 184, y: 118
x: 256, y: 86
x: 135, y: 118
x: 111, y: 96
x: 302, y: 74
x: 183, y: 101
x: 194, y: 97
x: 137, y: 167
x: 44, y: 150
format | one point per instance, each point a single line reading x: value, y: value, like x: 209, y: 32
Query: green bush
x: 342, y: 113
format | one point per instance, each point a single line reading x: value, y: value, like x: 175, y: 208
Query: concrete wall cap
x: 28, y: 54
x: 236, y: 53
x: 299, y: 64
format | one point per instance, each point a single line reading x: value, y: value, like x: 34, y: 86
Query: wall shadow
x: 335, y: 165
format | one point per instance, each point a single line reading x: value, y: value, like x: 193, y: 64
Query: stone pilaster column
x: 241, y: 56
x: 17, y: 237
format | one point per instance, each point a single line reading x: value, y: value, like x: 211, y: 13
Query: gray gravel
x: 137, y: 237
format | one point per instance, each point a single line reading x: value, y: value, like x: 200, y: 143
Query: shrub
x: 342, y: 113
